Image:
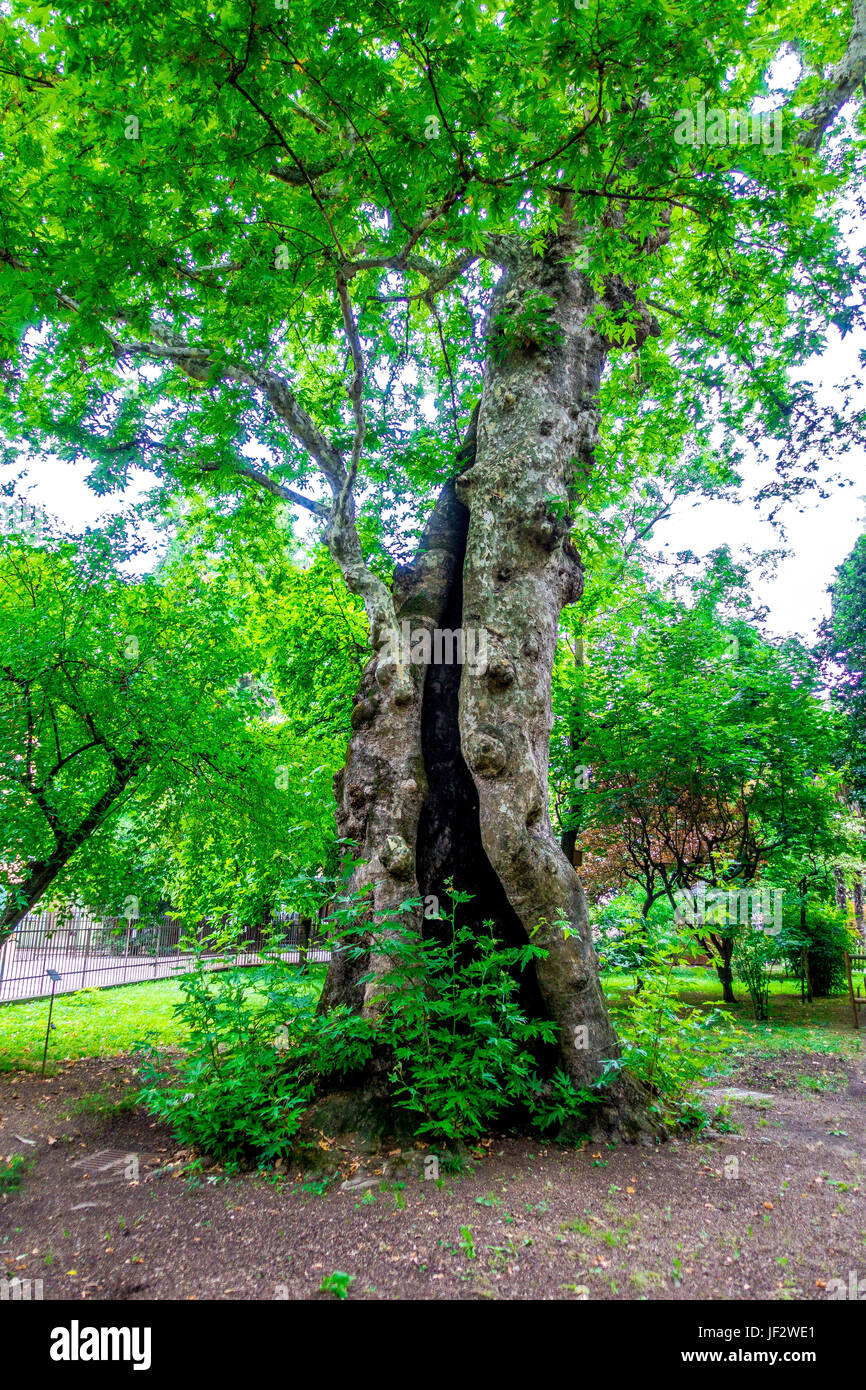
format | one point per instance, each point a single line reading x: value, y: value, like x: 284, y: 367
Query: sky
x: 819, y: 532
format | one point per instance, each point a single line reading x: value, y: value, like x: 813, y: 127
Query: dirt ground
x: 773, y: 1209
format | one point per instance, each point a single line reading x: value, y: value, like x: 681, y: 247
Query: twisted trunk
x: 446, y: 775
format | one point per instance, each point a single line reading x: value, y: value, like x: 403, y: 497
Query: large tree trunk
x: 446, y: 775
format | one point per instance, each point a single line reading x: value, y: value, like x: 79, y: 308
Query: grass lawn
x: 824, y: 1026
x: 106, y: 1022
x: 89, y: 1023
x: 96, y: 1023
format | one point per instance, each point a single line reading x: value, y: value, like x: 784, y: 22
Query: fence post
x: 851, y: 989
x: 84, y: 969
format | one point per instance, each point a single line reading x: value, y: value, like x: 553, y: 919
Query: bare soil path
x: 774, y: 1211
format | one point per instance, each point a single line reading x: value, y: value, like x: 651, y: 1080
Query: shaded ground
x: 774, y: 1211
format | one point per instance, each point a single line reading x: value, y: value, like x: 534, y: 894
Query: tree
x: 121, y: 703
x: 844, y: 648
x: 708, y: 756
x: 844, y: 639
x: 291, y: 228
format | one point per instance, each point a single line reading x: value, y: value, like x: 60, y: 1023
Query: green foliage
x: 624, y: 935
x: 668, y: 1045
x: 337, y: 1284
x: 755, y: 953
x: 13, y: 1169
x: 461, y: 1044
x: 845, y: 643
x: 414, y: 136
x: 126, y: 717
x: 525, y: 327
x: 460, y: 1051
x: 826, y: 935
x: 463, y: 1050
x: 467, y: 1244
x: 231, y: 1094
x: 711, y: 754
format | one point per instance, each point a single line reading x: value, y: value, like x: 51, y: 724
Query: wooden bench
x: 855, y: 961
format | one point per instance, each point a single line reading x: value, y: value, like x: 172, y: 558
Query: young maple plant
x: 425, y: 273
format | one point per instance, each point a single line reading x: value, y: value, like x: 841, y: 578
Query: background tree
x: 120, y: 701
x: 706, y: 752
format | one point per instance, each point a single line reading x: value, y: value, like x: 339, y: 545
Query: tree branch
x: 850, y: 71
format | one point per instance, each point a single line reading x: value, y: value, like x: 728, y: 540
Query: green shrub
x: 462, y: 1050
x: 826, y: 937
x: 12, y: 1171
x: 755, y: 953
x: 668, y: 1045
x: 624, y: 938
x: 231, y: 1094
x: 446, y: 1019
x: 337, y: 1283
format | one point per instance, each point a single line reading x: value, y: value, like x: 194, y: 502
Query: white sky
x: 819, y: 533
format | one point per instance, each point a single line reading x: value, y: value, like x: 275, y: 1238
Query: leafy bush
x: 446, y: 1017
x: 337, y: 1283
x: 826, y: 937
x: 668, y: 1045
x: 231, y: 1094
x: 624, y: 938
x: 755, y: 953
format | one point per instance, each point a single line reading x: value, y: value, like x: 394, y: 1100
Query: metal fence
x: 92, y: 951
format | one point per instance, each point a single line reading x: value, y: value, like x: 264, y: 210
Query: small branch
x: 357, y: 387
x: 276, y: 489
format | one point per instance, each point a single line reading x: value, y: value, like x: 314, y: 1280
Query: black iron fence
x: 93, y: 950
